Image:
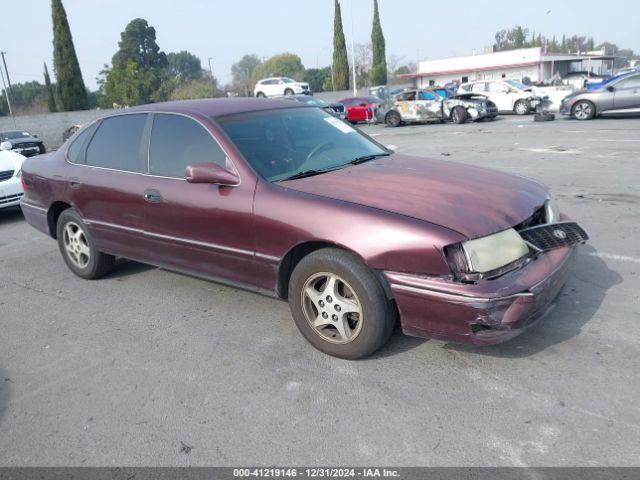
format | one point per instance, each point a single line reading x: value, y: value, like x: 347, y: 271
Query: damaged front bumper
x: 484, y: 313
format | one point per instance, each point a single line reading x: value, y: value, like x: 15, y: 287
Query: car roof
x: 217, y: 107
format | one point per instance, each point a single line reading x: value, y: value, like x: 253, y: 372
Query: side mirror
x: 6, y: 146
x: 211, y: 172
x: 35, y: 136
x: 611, y: 88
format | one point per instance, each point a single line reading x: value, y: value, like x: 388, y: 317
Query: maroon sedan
x: 286, y: 200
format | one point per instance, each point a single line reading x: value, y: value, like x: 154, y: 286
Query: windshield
x: 285, y: 142
x: 288, y: 80
x: 516, y: 84
x: 4, y: 136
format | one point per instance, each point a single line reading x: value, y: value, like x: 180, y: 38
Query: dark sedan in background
x: 286, y: 200
x: 335, y: 109
x: 23, y: 142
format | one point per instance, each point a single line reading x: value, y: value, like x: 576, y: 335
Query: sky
x: 225, y: 30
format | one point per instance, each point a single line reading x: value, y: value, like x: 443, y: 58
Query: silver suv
x: 620, y: 96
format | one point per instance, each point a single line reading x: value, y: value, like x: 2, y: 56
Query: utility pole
x: 213, y: 85
x: 6, y: 94
x: 353, y: 54
x: 4, y: 61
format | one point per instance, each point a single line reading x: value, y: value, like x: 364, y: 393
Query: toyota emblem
x: 559, y: 234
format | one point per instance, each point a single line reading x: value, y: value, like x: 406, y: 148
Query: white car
x: 508, y: 95
x: 10, y: 183
x: 278, y: 86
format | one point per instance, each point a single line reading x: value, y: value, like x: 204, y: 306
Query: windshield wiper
x: 303, y: 174
x: 366, y: 158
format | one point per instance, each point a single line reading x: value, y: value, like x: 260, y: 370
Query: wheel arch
x: 301, y: 250
x: 53, y: 214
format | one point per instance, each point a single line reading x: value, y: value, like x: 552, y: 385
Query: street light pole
x: 4, y: 62
x: 6, y: 94
x: 353, y: 54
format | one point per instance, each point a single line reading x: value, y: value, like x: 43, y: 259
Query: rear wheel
x: 260, y: 95
x: 522, y: 107
x: 339, y: 305
x: 583, y: 110
x: 78, y: 249
x: 459, y: 115
x: 288, y: 92
x: 392, y: 119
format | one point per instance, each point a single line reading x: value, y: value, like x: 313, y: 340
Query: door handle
x: 75, y: 182
x: 152, y: 195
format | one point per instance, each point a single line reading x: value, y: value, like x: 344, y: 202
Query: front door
x: 499, y: 94
x: 627, y: 93
x: 202, y: 229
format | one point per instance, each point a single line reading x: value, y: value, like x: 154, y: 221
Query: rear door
x: 626, y: 94
x: 108, y: 166
x: 201, y: 229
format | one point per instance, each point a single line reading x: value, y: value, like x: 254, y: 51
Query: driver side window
x: 177, y: 142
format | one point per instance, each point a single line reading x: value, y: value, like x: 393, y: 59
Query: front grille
x: 10, y: 198
x: 554, y: 235
x: 25, y: 145
x: 6, y: 175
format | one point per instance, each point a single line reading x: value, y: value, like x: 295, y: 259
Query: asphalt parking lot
x: 152, y: 368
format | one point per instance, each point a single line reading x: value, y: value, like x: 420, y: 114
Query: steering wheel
x: 316, y: 150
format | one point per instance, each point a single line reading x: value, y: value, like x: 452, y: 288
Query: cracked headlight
x: 472, y: 259
x: 551, y: 212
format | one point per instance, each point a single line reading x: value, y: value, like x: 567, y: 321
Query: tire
x: 544, y: 117
x: 260, y: 95
x: 583, y: 110
x: 393, y: 119
x: 86, y: 261
x: 521, y: 107
x: 288, y: 92
x: 370, y: 319
x: 459, y: 115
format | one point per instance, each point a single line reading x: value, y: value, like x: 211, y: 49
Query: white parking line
x: 609, y: 140
x: 613, y: 256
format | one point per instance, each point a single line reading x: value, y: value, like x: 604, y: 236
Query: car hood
x: 10, y: 161
x: 470, y: 200
x: 15, y: 141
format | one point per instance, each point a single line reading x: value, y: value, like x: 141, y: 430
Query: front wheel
x: 339, y: 305
x: 459, y: 115
x: 583, y: 110
x: 522, y: 107
x: 393, y: 119
x: 78, y: 249
x: 288, y: 92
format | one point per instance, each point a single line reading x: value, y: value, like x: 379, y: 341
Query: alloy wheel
x: 332, y: 308
x: 582, y: 111
x: 76, y: 245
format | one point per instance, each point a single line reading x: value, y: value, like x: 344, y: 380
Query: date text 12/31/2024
x: 305, y: 473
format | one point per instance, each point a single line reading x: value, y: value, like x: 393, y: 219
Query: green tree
x: 242, y: 73
x: 340, y: 59
x: 139, y: 72
x: 197, y: 88
x: 519, y: 37
x: 316, y: 77
x: 281, y: 65
x: 378, y: 74
x: 184, y: 65
x: 51, y: 99
x: 138, y: 43
x: 70, y: 89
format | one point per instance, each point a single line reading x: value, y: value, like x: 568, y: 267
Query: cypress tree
x: 340, y: 60
x: 70, y: 89
x: 51, y: 100
x: 378, y: 75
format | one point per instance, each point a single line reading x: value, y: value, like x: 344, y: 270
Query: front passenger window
x: 177, y: 142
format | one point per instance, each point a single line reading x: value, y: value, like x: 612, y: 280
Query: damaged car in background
x: 510, y: 96
x: 23, y: 142
x: 434, y: 105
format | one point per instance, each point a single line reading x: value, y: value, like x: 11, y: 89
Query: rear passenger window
x: 117, y: 143
x: 75, y: 150
x: 177, y: 142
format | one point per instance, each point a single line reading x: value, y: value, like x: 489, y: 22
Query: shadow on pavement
x: 10, y: 215
x: 578, y: 303
x: 124, y: 268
